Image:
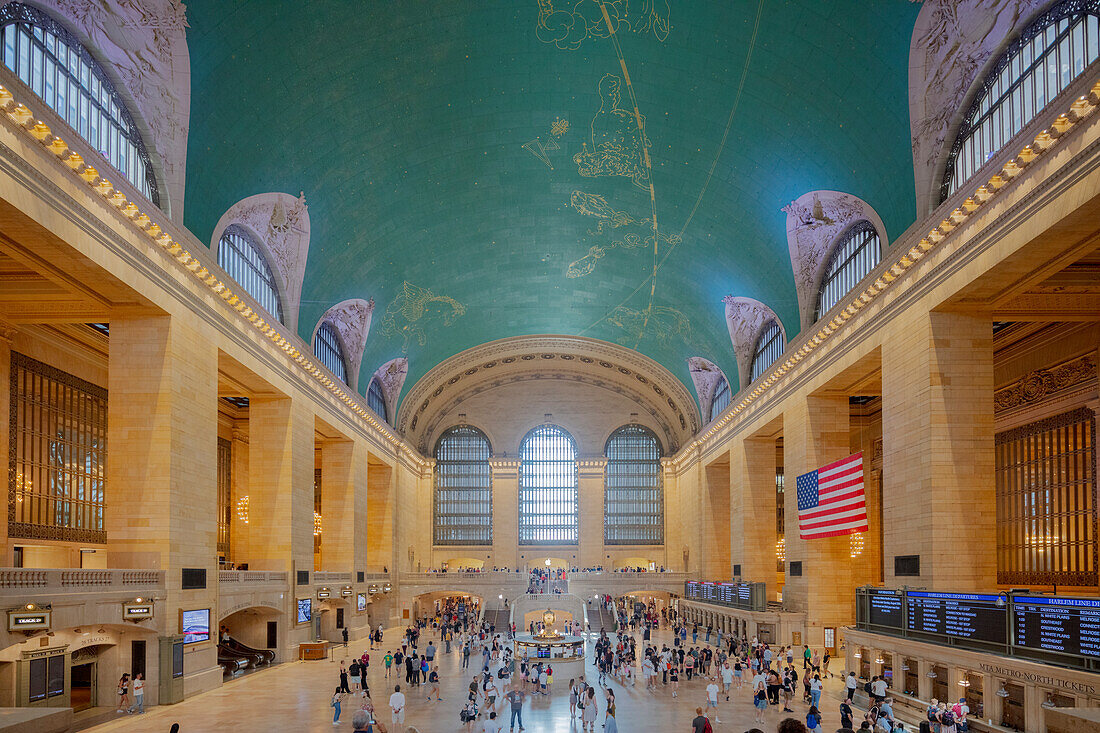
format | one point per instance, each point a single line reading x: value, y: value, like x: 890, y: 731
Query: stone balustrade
x: 70, y: 580
x: 252, y: 576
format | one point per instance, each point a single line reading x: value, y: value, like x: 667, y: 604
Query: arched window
x: 768, y: 348
x: 463, y: 506
x: 633, y: 497
x: 721, y: 399
x: 548, y: 487
x: 1046, y: 58
x: 241, y: 259
x: 50, y: 60
x: 855, y: 255
x: 326, y: 346
x: 376, y: 399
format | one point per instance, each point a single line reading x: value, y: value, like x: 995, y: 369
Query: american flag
x: 831, y: 501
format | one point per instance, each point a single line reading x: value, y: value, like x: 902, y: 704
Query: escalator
x: 233, y: 656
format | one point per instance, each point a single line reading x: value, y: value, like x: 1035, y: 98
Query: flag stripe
x: 831, y: 500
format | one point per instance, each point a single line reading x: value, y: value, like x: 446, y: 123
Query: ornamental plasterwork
x: 281, y: 222
x: 1042, y: 383
x: 144, y: 45
x: 351, y: 319
x: 391, y: 376
x: 953, y: 41
x: 745, y: 317
x: 705, y: 375
x: 815, y: 221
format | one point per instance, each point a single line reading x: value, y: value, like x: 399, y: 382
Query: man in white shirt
x: 878, y: 689
x: 727, y: 678
x: 712, y: 699
x: 851, y: 684
x: 649, y: 672
x: 492, y: 724
x: 397, y: 706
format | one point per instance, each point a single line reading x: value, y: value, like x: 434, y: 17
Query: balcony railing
x: 67, y: 580
x: 252, y: 576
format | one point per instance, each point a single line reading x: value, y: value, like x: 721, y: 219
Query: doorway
x: 82, y: 686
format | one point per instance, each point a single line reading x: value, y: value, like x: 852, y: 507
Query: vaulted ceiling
x: 477, y: 167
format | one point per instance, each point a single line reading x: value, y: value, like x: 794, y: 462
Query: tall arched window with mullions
x: 548, y: 487
x: 1046, y: 58
x: 769, y: 347
x: 327, y: 348
x: 721, y: 399
x: 854, y: 255
x: 376, y: 399
x: 463, y: 505
x: 240, y: 256
x: 634, y: 506
x: 63, y: 74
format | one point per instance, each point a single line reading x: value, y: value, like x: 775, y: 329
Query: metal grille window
x: 634, y: 505
x: 376, y: 400
x: 721, y: 399
x: 61, y: 72
x: 854, y: 256
x: 1046, y: 502
x: 225, y: 481
x: 326, y: 346
x: 58, y: 454
x: 1046, y: 58
x: 463, y: 506
x: 769, y: 347
x: 548, y: 487
x: 241, y: 259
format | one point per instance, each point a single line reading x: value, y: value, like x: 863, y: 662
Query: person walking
x: 851, y: 683
x: 815, y: 691
x: 124, y: 693
x: 712, y: 699
x: 588, y: 718
x: 515, y: 700
x: 433, y: 680
x: 397, y: 708
x: 336, y: 698
x: 813, y: 720
x: 609, y: 724
x: 574, y: 697
x: 139, y: 694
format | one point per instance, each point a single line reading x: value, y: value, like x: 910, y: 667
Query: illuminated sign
x: 137, y: 611
x: 28, y: 620
x: 324, y: 593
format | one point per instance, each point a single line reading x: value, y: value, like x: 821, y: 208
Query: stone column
x: 674, y: 536
x: 752, y: 515
x: 280, y: 476
x: 714, y: 522
x: 238, y: 530
x: 590, y: 510
x: 381, y: 505
x: 815, y: 433
x: 343, y: 505
x: 162, y: 426
x: 937, y: 424
x: 505, y: 512
x: 7, y: 332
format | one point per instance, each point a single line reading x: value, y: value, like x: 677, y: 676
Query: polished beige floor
x: 295, y: 697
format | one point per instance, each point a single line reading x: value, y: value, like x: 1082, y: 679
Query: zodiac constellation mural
x: 594, y: 205
x: 661, y: 322
x: 578, y: 20
x: 618, y: 142
x: 539, y: 149
x: 407, y: 314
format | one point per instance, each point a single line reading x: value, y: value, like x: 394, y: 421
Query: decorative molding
x: 952, y: 44
x: 745, y: 318
x: 815, y: 221
x: 351, y: 319
x: 143, y: 45
x: 280, y: 222
x: 705, y: 375
x: 1041, y: 384
x: 391, y: 376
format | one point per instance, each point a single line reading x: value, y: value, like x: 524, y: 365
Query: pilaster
x: 590, y: 508
x: 343, y: 505
x: 752, y: 515
x: 505, y: 512
x: 7, y: 333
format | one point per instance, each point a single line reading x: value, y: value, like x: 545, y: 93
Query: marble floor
x: 295, y: 697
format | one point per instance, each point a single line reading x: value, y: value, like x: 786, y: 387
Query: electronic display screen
x: 886, y: 609
x: 195, y: 625
x: 744, y: 594
x: 726, y: 592
x: 1058, y: 625
x: 708, y: 591
x: 693, y: 589
x: 961, y: 615
x: 305, y: 610
x: 361, y: 602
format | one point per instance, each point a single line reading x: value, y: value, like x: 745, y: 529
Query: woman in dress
x: 573, y: 697
x: 609, y: 724
x: 588, y: 720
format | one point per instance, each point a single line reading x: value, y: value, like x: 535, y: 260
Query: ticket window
x: 864, y: 664
x: 940, y: 688
x: 888, y: 670
x: 1013, y: 712
x: 911, y: 677
x: 1062, y: 701
x: 974, y: 694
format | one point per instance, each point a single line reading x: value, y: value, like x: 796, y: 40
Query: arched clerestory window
x: 769, y: 347
x: 60, y: 71
x: 634, y: 507
x: 328, y: 349
x: 854, y: 255
x: 239, y: 255
x: 463, y: 502
x: 376, y: 399
x: 1045, y: 59
x: 721, y: 399
x: 548, y: 487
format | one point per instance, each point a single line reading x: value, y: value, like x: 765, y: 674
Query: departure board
x: 726, y: 593
x: 1059, y: 625
x: 744, y: 595
x: 960, y: 615
x: 886, y: 609
x: 692, y: 590
x: 708, y: 591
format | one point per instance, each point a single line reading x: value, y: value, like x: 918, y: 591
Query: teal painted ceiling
x: 477, y: 167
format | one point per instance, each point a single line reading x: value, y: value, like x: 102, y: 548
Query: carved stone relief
x: 705, y: 375
x: 815, y: 221
x: 1042, y: 383
x: 351, y: 319
x: 143, y: 44
x: 281, y: 223
x: 391, y: 376
x: 744, y: 319
x: 953, y: 41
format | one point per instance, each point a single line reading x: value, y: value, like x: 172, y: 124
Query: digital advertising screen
x: 361, y: 602
x: 305, y: 610
x: 195, y: 625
